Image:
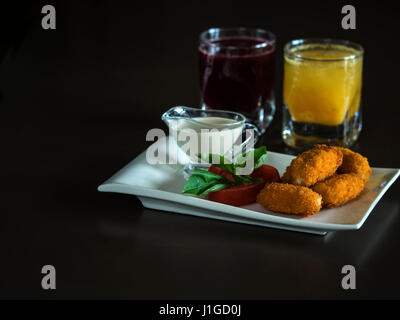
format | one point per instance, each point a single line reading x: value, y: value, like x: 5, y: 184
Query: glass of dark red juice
x: 237, y: 71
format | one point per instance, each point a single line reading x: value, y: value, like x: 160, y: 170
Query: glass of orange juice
x: 322, y: 92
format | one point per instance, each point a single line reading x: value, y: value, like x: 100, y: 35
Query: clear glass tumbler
x: 322, y: 92
x: 237, y: 71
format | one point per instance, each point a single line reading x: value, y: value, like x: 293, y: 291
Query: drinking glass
x: 322, y: 92
x: 237, y: 71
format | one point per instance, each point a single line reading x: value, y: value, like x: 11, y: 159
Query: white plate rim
x: 111, y: 186
x: 237, y: 211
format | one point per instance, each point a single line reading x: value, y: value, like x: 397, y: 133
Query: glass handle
x: 252, y: 136
x: 255, y: 132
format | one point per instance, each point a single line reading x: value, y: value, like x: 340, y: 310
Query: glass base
x: 261, y: 118
x: 302, y: 136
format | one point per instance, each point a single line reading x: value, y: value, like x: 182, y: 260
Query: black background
x: 76, y: 104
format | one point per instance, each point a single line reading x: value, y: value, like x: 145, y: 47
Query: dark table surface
x: 76, y: 105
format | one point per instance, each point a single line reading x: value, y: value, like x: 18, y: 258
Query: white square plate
x: 159, y: 187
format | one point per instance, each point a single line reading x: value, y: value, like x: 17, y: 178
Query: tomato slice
x: 221, y: 172
x: 266, y: 173
x: 237, y: 195
x: 247, y: 193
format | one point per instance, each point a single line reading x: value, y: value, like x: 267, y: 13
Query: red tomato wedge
x: 237, y: 195
x: 221, y: 172
x: 266, y: 173
x: 243, y: 194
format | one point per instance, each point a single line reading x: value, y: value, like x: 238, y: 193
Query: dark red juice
x: 237, y: 73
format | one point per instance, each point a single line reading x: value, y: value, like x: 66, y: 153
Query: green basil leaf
x: 194, y: 185
x: 218, y: 161
x: 215, y: 187
x: 250, y: 179
x: 201, y: 180
x: 206, y: 175
x: 259, y: 155
x: 226, y: 166
x: 240, y: 165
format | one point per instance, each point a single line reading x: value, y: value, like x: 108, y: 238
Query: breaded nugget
x: 354, y: 162
x: 288, y: 198
x: 313, y: 165
x: 339, y: 189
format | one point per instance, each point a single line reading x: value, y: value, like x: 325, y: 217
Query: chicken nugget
x: 354, y: 162
x: 339, y: 189
x: 313, y: 165
x: 288, y: 198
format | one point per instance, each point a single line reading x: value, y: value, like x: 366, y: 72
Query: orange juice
x: 322, y: 83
